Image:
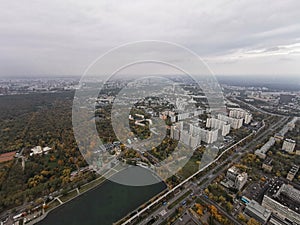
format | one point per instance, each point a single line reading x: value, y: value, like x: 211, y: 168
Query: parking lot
x: 186, y: 219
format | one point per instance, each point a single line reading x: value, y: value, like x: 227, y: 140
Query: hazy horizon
x: 51, y: 76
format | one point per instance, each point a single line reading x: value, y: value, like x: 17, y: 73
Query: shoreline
x: 98, y: 185
x: 42, y: 217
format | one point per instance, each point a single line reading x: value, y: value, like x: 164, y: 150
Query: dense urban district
x: 252, y: 179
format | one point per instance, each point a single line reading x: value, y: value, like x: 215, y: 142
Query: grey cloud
x: 63, y: 37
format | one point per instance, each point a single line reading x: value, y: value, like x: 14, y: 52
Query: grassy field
x: 69, y: 196
x: 92, y: 184
x: 52, y: 205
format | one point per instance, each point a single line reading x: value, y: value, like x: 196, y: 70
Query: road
x: 182, y: 183
x: 220, y: 209
x: 245, y: 149
x: 257, y: 109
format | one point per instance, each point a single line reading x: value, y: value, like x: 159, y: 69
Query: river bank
x: 104, y: 204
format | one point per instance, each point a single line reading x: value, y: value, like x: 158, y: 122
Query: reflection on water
x: 104, y: 205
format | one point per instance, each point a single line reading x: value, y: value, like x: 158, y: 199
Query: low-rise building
x: 292, y: 173
x: 38, y: 150
x: 289, y: 145
x: 279, y: 137
x: 288, y: 127
x: 267, y: 164
x: 275, y: 220
x: 261, y: 153
x: 258, y: 212
x: 283, y: 200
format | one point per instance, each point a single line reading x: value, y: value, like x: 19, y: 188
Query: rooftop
x: 294, y: 169
x: 267, y: 145
x: 233, y: 169
x: 259, y: 210
x: 285, y: 194
x: 268, y: 161
x: 290, y: 140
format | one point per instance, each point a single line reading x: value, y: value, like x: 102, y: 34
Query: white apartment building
x: 239, y: 113
x: 234, y: 123
x: 194, y: 136
x: 218, y: 124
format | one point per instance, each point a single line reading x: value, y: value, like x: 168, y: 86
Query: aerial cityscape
x: 100, y: 126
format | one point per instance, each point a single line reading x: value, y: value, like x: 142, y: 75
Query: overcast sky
x: 234, y: 37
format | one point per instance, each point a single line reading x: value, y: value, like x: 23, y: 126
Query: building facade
x: 218, y: 124
x: 234, y: 123
x: 239, y: 113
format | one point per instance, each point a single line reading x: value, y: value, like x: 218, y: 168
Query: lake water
x: 103, y: 205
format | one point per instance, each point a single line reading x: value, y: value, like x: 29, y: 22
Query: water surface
x: 103, y: 205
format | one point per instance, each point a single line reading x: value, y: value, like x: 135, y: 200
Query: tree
x: 229, y: 206
x: 222, y: 199
x: 214, y: 212
x: 242, y: 217
x: 206, y: 191
x: 252, y: 221
x: 199, y: 208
